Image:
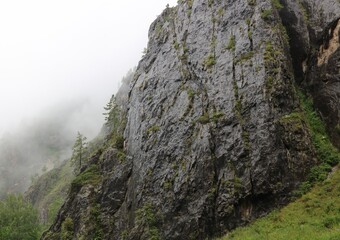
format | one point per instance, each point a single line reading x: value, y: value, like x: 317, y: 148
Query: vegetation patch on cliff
x: 90, y: 176
x: 328, y: 155
x: 316, y: 215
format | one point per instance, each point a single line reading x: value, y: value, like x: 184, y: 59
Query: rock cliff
x: 213, y: 129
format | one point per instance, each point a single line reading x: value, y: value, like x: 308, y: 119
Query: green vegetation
x: 90, y: 176
x: 216, y: 116
x: 282, y: 31
x: 328, y: 155
x: 314, y: 216
x: 112, y: 113
x: 67, y: 229
x: 115, y: 123
x: 304, y: 11
x: 18, y: 219
x: 53, y: 209
x: 152, y: 129
x: 79, y: 149
x: 52, y: 190
x: 277, y: 4
x: 119, y: 141
x: 146, y: 217
x: 272, y: 60
x: 191, y: 93
x: 252, y: 2
x: 266, y: 14
x: 176, y: 45
x: 204, y: 119
x: 210, y: 61
x: 296, y: 119
x: 96, y: 229
x: 232, y: 43
x: 245, y: 57
x: 220, y: 12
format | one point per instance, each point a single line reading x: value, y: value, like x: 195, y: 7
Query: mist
x: 60, y: 63
x: 65, y: 50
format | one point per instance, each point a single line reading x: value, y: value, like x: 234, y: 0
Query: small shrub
x: 232, y: 43
x: 319, y: 173
x: 245, y: 57
x: 217, y: 115
x: 146, y: 217
x: 176, y: 45
x: 252, y: 2
x: 220, y: 11
x: 119, y: 142
x: 121, y: 156
x: 90, y: 176
x: 266, y: 14
x: 277, y: 4
x: 191, y: 93
x: 67, y: 229
x: 330, y: 222
x: 204, y: 119
x: 153, y: 129
x: 210, y: 61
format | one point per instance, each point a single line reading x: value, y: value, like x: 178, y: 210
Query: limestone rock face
x: 314, y: 30
x: 211, y: 140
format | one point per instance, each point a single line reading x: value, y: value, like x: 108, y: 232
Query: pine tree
x: 78, y: 154
x: 111, y: 109
x: 18, y: 219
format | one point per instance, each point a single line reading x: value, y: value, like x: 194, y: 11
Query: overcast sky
x: 53, y: 51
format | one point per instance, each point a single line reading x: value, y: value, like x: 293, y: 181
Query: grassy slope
x: 316, y: 215
x: 50, y: 191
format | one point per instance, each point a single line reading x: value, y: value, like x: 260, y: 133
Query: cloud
x: 67, y: 49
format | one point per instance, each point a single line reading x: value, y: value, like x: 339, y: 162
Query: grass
x: 152, y: 129
x: 266, y: 14
x: 232, y: 43
x: 210, y: 61
x: 53, y: 188
x: 204, y: 119
x: 90, y: 176
x: 327, y: 154
x: 314, y: 216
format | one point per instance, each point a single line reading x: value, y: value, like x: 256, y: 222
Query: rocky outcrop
x: 213, y: 136
x: 313, y: 28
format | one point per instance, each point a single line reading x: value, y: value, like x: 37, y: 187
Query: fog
x: 53, y: 51
x: 60, y: 62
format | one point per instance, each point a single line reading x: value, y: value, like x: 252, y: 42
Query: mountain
x: 39, y: 144
x: 226, y: 118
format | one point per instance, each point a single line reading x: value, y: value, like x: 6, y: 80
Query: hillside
x: 232, y: 111
x: 39, y: 144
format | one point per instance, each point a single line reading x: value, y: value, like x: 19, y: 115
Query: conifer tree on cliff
x: 78, y: 153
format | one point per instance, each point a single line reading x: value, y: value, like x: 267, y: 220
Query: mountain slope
x: 215, y: 134
x: 48, y: 193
